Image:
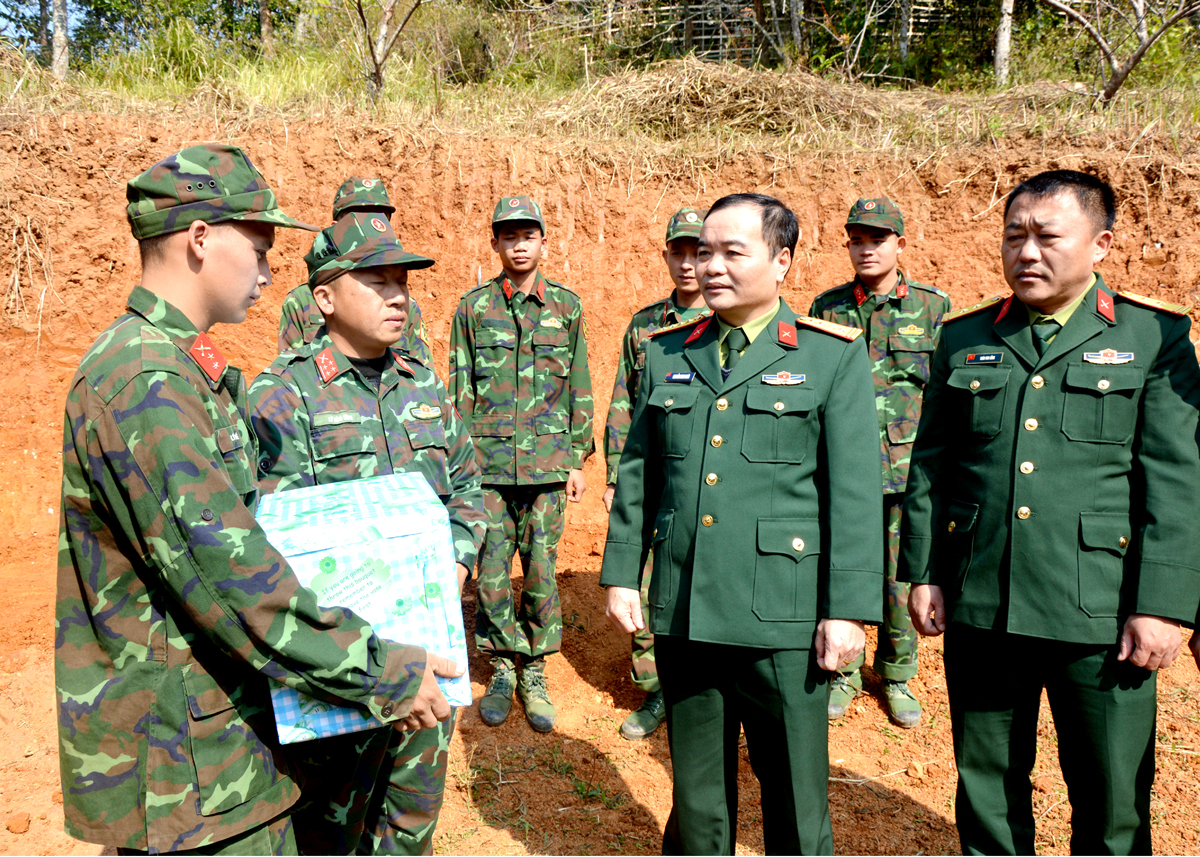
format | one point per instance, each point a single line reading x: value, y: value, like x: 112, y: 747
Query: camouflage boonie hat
x: 685, y: 223
x: 358, y: 194
x: 358, y: 240
x: 212, y: 182
x: 880, y: 213
x: 512, y: 208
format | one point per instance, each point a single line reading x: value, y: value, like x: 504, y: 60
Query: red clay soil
x: 582, y: 789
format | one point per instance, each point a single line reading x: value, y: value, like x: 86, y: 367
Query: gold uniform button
x: 797, y: 545
x: 669, y: 402
x: 779, y: 406
x: 711, y: 479
x: 1123, y: 542
x: 722, y: 404
x: 717, y: 440
x: 707, y: 520
x: 951, y: 527
x: 1023, y: 512
x: 974, y: 385
x: 1031, y: 424
x: 1026, y: 466
x: 1038, y: 382
x: 1103, y: 384
x: 655, y: 533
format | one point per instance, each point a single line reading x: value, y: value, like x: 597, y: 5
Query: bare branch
x: 362, y: 16
x: 392, y: 41
x: 1090, y: 29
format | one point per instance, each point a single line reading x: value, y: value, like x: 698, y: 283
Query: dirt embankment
x: 581, y: 789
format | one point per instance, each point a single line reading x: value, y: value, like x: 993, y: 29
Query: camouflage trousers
x: 645, y: 671
x: 277, y: 838
x: 896, y: 653
x: 528, y: 519
x: 373, y: 792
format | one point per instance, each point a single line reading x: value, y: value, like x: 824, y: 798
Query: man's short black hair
x: 522, y: 224
x: 153, y: 250
x: 779, y: 226
x: 1095, y: 196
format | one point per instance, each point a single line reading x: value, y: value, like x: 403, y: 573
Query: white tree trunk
x: 905, y: 28
x: 1003, y: 42
x: 59, y: 55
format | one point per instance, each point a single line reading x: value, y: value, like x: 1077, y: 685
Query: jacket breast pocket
x: 984, y: 389
x: 551, y: 352
x: 232, y: 764
x: 235, y: 454
x: 779, y: 424
x: 1103, y: 540
x: 662, y: 577
x: 911, y: 356
x: 493, y: 349
x: 342, y: 452
x: 675, y: 417
x: 1101, y: 402
x: 786, y: 571
x: 956, y: 544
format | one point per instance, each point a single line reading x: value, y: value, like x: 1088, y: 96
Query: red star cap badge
x: 208, y: 357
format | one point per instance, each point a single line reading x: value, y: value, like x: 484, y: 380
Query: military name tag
x: 680, y: 377
x: 911, y: 330
x: 783, y: 379
x: 425, y: 412
x: 1108, y: 356
x: 985, y: 358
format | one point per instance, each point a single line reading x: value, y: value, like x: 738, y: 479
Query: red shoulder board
x: 1004, y: 309
x: 701, y: 320
x: 902, y: 289
x: 860, y: 294
x: 1104, y: 305
x: 327, y: 365
x: 1154, y: 303
x: 971, y: 310
x: 839, y: 330
x: 208, y: 357
x: 787, y: 334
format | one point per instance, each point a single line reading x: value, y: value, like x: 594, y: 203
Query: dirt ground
x: 582, y: 789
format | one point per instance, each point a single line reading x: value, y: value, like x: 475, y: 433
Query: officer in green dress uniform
x: 751, y: 469
x: 1050, y: 523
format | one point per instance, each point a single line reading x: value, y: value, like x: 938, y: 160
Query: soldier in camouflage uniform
x: 685, y: 303
x: 299, y: 317
x: 173, y: 609
x: 519, y: 377
x: 347, y: 406
x: 903, y: 322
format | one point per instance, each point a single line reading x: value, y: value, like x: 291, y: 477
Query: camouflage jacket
x: 902, y: 334
x: 300, y: 319
x: 519, y: 377
x: 645, y: 321
x: 318, y: 422
x: 173, y: 609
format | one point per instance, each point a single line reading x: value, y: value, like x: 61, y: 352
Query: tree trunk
x: 905, y: 28
x: 1003, y: 42
x: 43, y: 32
x: 689, y: 27
x: 60, y: 55
x: 266, y: 29
x: 796, y: 8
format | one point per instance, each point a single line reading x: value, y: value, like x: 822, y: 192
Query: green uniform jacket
x: 1053, y: 497
x: 901, y: 338
x: 645, y: 322
x: 173, y: 609
x: 319, y: 422
x: 300, y: 319
x: 519, y: 377
x: 760, y: 494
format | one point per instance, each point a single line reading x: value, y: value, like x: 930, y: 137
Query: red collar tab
x: 787, y: 335
x: 699, y: 331
x: 327, y: 365
x: 902, y: 289
x: 860, y: 294
x: 1104, y: 306
x: 400, y: 364
x: 1004, y: 309
x: 541, y: 287
x: 507, y: 287
x: 208, y: 357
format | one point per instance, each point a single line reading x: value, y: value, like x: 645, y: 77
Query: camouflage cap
x: 879, y: 213
x: 359, y: 239
x: 212, y: 182
x: 511, y: 208
x: 358, y: 194
x: 685, y: 223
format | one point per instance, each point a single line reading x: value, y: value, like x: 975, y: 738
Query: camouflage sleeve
x: 416, y: 337
x: 579, y: 380
x: 620, y: 408
x: 468, y: 521
x: 291, y: 324
x: 167, y: 482
x: 281, y: 427
x: 462, y: 361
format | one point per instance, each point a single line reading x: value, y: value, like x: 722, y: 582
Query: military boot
x: 903, y: 707
x: 842, y: 691
x: 531, y: 686
x: 645, y: 720
x: 497, y: 699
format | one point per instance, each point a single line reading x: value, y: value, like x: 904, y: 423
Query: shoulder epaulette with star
x: 833, y: 328
x: 1154, y: 303
x: 971, y: 310
x: 683, y: 324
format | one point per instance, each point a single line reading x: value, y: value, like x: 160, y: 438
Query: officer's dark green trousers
x: 1104, y: 714
x: 781, y: 699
